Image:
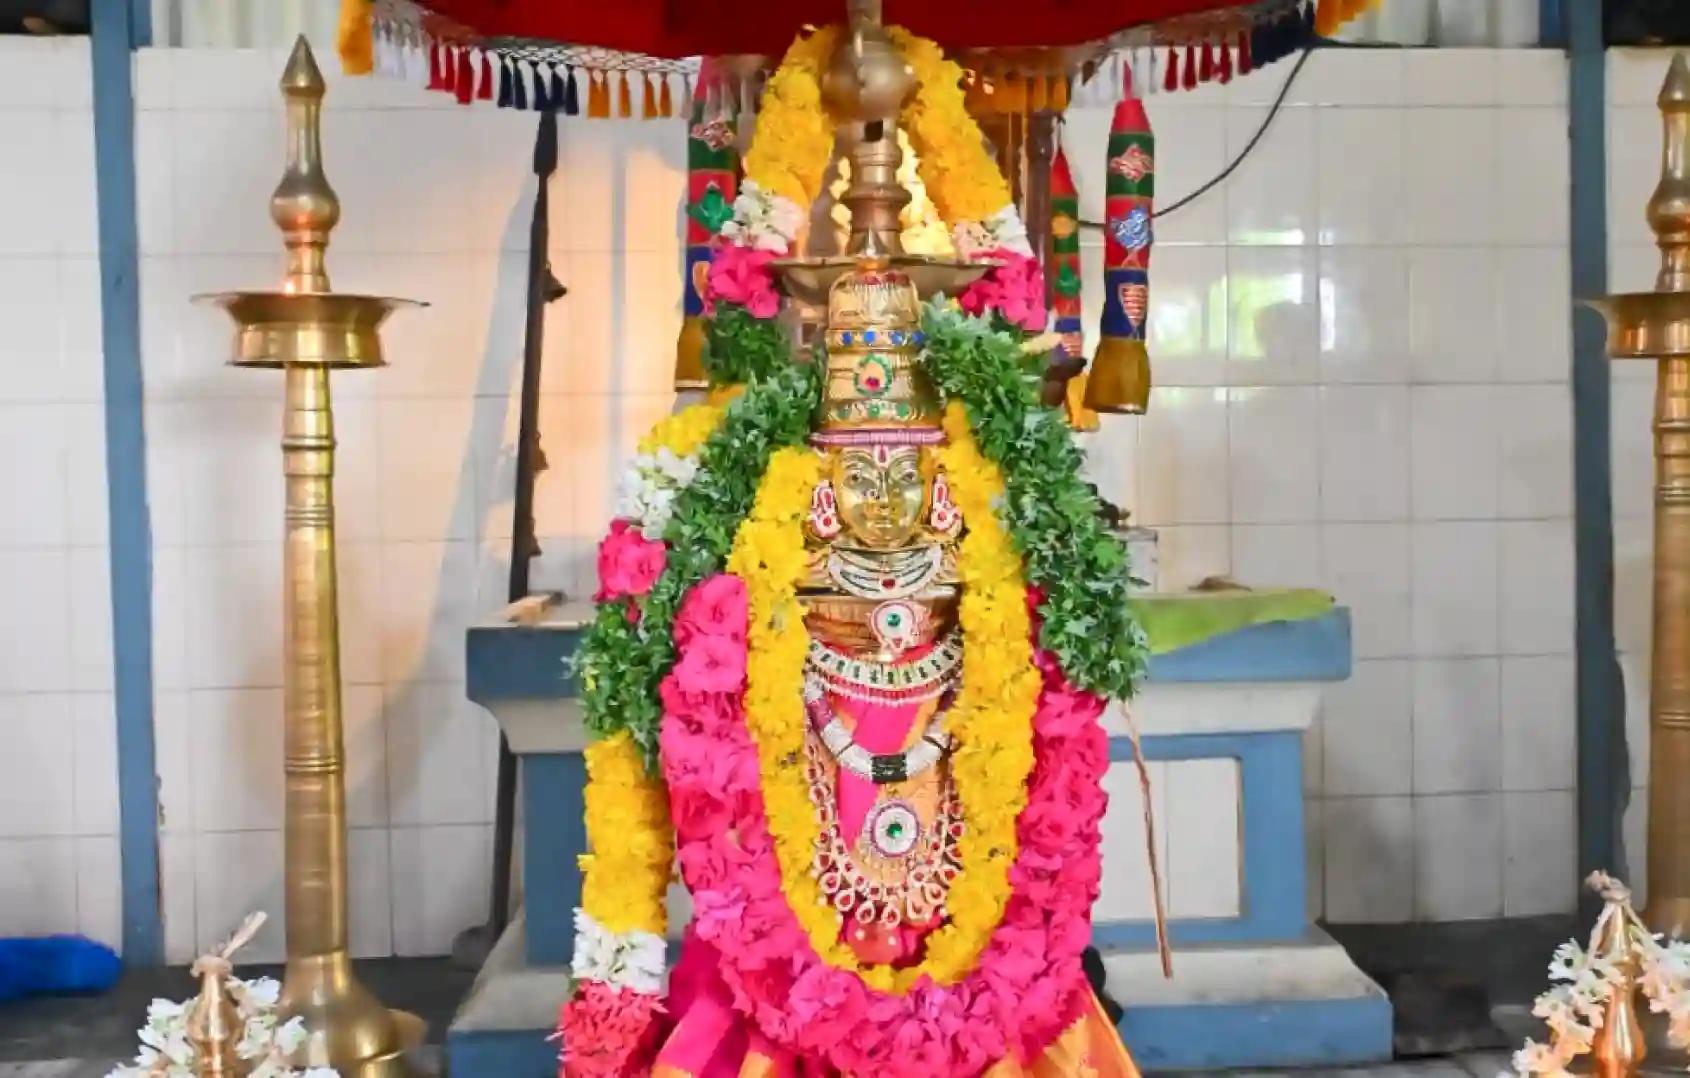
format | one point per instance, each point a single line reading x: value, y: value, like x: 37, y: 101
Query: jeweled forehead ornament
x: 875, y: 392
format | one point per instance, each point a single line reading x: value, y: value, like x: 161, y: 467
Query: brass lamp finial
x: 304, y: 206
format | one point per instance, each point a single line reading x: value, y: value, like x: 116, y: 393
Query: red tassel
x: 1244, y: 64
x: 1207, y: 72
x: 1190, y: 82
x: 436, y: 64
x: 449, y: 70
x: 485, y: 92
x: 1171, y: 81
x: 465, y: 78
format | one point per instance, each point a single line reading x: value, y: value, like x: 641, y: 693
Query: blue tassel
x: 504, y: 83
x: 540, y: 102
x: 559, y: 96
x: 571, y: 96
x: 54, y: 965
x: 519, y: 86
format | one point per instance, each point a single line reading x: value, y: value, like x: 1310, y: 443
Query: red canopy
x: 674, y: 28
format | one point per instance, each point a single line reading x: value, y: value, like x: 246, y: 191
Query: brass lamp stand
x: 1656, y: 326
x: 305, y: 330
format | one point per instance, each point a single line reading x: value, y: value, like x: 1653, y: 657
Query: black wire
x: 1220, y: 177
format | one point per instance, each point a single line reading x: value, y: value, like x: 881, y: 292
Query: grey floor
x: 1461, y: 995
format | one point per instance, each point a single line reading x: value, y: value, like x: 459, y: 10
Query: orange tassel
x: 1038, y: 93
x: 1012, y: 91
x: 624, y: 99
x: 1059, y: 93
x: 598, y: 95
x: 978, y: 98
x: 665, y: 103
x: 648, y: 106
x: 1328, y: 16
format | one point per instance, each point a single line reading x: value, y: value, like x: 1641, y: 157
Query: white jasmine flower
x: 260, y: 994
x: 764, y: 220
x: 632, y: 960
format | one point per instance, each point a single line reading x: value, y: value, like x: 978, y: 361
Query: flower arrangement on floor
x: 174, y: 1038
x: 1595, y: 988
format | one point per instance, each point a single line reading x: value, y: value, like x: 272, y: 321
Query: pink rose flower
x: 629, y: 563
x: 741, y: 275
x: 716, y: 607
x: 711, y: 664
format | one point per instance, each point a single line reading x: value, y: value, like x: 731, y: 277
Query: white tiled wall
x: 436, y: 202
x: 58, y: 768
x: 1361, y: 351
x: 1634, y: 167
x: 1361, y: 347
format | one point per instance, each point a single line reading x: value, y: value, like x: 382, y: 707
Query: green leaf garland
x: 1053, y: 517
x: 741, y: 348
x: 629, y: 647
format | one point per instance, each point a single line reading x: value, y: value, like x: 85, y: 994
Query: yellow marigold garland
x: 794, y: 137
x: 991, y: 716
x: 625, y: 878
x: 685, y: 432
x: 961, y: 177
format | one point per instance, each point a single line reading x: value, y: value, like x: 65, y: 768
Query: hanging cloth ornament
x: 1119, y: 379
x: 712, y: 183
x: 1066, y: 283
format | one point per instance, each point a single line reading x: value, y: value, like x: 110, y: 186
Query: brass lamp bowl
x: 1646, y: 325
x: 336, y: 330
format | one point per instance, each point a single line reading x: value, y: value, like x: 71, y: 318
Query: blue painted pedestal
x: 1255, y: 983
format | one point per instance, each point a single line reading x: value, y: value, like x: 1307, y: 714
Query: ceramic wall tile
x: 439, y: 885
x: 38, y: 769
x: 1369, y: 859
x: 370, y: 892
x: 235, y: 585
x: 1631, y: 410
x: 1364, y: 315
x: 1531, y: 77
x: 1275, y: 453
x: 99, y: 890
x: 1634, y: 168
x: 1453, y: 305
x: 1270, y: 199
x: 1183, y: 452
x: 1540, y: 845
x: 1349, y: 79
x: 237, y: 873
x: 35, y: 621
x: 1536, y: 565
x: 1449, y: 77
x: 1274, y: 328
x: 1457, y: 726
x: 1364, y: 454
x: 1454, y: 589
x: 1276, y: 555
x: 1454, y: 449
x: 1449, y: 175
x: 1532, y: 176
x: 94, y: 726
x: 237, y: 762
x: 35, y: 180
x: 1538, y: 737
x: 1535, y: 314
x: 1367, y: 567
x: 431, y: 588
x: 1186, y: 555
x: 1367, y: 731
x: 1634, y: 587
x: 428, y: 477
x: 35, y: 444
x: 432, y: 731
x: 1188, y: 320
x: 1535, y: 454
x: 1183, y: 164
x: 1360, y: 182
x: 90, y: 619
x: 1458, y: 862
x: 37, y: 886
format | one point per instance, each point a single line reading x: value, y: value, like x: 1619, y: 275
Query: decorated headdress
x: 875, y: 392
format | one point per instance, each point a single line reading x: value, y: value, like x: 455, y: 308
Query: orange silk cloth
x: 1090, y: 1048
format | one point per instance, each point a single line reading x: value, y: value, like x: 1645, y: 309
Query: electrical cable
x: 1220, y: 177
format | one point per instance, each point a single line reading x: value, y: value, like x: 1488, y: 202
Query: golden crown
x: 875, y: 392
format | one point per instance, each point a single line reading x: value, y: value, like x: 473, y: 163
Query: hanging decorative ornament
x: 712, y: 183
x: 1119, y: 379
x: 1067, y: 285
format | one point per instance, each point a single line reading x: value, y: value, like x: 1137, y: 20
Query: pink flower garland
x: 608, y: 1031
x: 1015, y: 288
x: 1028, y: 986
x: 741, y: 275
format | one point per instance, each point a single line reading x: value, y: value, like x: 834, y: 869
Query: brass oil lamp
x: 306, y: 330
x: 1655, y: 326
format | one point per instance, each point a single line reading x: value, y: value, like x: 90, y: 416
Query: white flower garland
x: 764, y: 220
x: 650, y: 486
x: 631, y: 960
x: 265, y: 1043
x: 1574, y: 1009
x: 1002, y: 231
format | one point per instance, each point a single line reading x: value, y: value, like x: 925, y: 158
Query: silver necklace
x: 895, y: 575
x: 876, y: 682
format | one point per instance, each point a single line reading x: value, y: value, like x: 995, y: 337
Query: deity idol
x: 858, y: 619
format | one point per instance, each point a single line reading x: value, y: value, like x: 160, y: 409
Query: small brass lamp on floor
x: 306, y: 330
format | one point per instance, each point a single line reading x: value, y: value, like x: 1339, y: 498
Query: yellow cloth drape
x: 354, y: 39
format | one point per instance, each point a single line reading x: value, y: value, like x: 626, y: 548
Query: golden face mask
x: 882, y: 493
